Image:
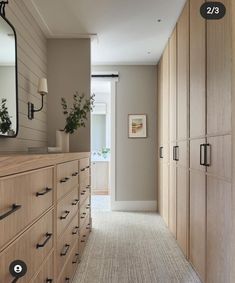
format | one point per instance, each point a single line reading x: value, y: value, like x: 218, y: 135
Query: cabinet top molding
x: 17, y: 163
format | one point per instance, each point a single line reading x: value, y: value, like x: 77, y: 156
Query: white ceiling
x: 122, y: 31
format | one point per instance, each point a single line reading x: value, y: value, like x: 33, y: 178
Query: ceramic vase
x: 62, y: 140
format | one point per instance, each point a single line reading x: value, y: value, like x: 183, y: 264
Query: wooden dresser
x: 45, y: 217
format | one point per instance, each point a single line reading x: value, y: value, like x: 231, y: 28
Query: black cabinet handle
x: 76, y: 259
x: 161, y: 152
x: 48, y: 236
x: 82, y: 217
x: 174, y: 157
x: 65, y: 216
x: 177, y: 158
x: 49, y: 280
x: 83, y: 169
x: 65, y: 250
x: 75, y: 174
x: 76, y: 230
x: 202, y: 154
x: 208, y: 155
x: 67, y: 280
x: 75, y: 202
x: 83, y: 241
x: 13, y: 209
x: 47, y: 190
x: 64, y: 180
x: 87, y: 167
x: 88, y: 187
x: 205, y: 154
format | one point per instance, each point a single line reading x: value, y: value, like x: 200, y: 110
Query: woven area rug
x: 132, y: 247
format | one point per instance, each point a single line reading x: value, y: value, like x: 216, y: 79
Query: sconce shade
x: 42, y: 86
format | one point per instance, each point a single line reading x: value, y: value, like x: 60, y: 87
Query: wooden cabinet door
x: 218, y: 230
x: 165, y: 193
x: 182, y: 208
x: 172, y: 199
x: 219, y: 74
x: 183, y: 73
x: 197, y: 70
x: 172, y: 85
x: 160, y: 188
x: 197, y: 248
x: 160, y: 103
x: 165, y: 95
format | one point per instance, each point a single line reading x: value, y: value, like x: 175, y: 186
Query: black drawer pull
x: 75, y: 202
x: 49, y: 280
x: 161, y: 152
x: 83, y: 241
x: 88, y: 187
x: 75, y: 230
x: 88, y: 207
x: 64, y: 180
x: 47, y: 190
x: 65, y: 250
x: 84, y: 236
x: 75, y: 174
x: 83, y: 169
x: 84, y: 213
x: 13, y: 209
x: 48, y: 236
x: 88, y: 167
x: 76, y: 260
x: 82, y: 217
x: 65, y: 216
x: 67, y: 280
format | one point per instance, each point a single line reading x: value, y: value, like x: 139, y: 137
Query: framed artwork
x: 137, y: 126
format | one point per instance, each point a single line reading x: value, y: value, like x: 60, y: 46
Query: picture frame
x: 137, y: 126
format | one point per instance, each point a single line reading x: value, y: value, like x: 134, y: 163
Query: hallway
x: 132, y: 248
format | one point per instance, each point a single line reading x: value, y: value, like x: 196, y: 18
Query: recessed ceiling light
x: 159, y: 20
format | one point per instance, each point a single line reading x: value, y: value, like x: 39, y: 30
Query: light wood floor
x: 132, y: 248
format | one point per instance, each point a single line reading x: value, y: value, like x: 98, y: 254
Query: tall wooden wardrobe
x: 195, y: 179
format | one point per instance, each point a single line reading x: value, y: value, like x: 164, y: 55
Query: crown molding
x: 33, y: 9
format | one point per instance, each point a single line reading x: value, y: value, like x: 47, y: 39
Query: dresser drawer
x: 84, y: 174
x: 84, y: 235
x: 46, y: 275
x: 66, y: 243
x: 84, y: 194
x: 84, y: 212
x: 23, y: 198
x: 71, y: 266
x: 66, y: 210
x: 32, y: 248
x: 67, y: 177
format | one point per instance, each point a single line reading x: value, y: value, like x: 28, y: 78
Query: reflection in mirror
x: 8, y: 80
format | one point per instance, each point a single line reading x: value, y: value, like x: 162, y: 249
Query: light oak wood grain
x: 183, y: 73
x: 197, y: 70
x: 219, y: 74
x: 197, y: 249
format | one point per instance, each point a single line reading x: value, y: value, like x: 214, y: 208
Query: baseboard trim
x: 134, y: 206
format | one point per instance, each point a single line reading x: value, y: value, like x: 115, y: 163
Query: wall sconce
x: 42, y: 90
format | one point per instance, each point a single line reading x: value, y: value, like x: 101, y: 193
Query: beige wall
x: 68, y: 71
x: 32, y: 64
x: 135, y: 158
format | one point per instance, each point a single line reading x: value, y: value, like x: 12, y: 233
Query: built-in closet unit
x: 197, y: 193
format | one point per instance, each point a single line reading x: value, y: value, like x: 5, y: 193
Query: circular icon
x: 18, y: 268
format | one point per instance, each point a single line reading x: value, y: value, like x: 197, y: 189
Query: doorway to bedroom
x: 101, y: 145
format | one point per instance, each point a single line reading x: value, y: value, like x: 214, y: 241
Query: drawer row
x: 25, y: 197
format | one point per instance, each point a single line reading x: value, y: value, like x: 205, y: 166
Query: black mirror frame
x: 16, y: 80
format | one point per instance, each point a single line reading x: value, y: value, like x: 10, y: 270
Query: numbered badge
x: 213, y: 10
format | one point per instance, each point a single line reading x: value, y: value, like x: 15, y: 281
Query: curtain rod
x: 105, y: 76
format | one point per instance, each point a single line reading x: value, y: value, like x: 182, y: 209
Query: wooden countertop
x: 12, y: 163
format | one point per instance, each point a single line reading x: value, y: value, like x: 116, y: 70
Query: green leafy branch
x: 77, y: 115
x: 5, y: 119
